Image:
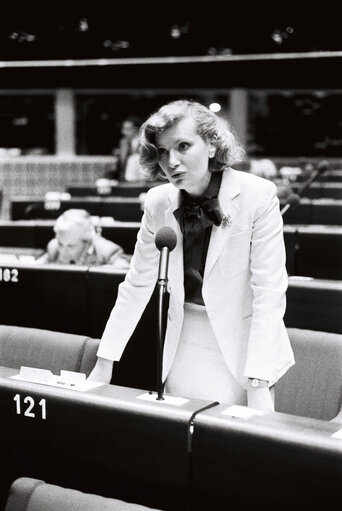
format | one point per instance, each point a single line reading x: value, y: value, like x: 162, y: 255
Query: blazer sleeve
x: 269, y: 282
x: 134, y: 292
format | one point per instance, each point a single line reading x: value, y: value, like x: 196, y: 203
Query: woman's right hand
x: 102, y: 371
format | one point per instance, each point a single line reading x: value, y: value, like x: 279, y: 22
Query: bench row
x: 310, y: 211
x: 316, y: 190
x: 312, y: 251
x: 79, y: 299
x: 320, y: 190
x: 119, y: 190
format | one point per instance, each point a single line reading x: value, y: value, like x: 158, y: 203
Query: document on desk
x: 66, y: 380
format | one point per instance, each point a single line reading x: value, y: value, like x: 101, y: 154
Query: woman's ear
x: 211, y: 151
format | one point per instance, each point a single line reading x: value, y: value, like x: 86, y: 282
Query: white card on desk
x: 66, y: 380
x: 241, y: 412
x: 337, y: 434
x: 35, y: 374
x: 72, y: 376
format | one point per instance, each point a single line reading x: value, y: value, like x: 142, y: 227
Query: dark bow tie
x: 197, y: 215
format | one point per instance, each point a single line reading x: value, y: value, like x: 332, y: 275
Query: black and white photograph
x: 170, y: 257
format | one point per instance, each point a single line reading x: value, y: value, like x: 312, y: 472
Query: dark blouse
x: 196, y: 216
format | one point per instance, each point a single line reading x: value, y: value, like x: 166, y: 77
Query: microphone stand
x: 285, y: 208
x: 162, y: 291
x: 322, y: 167
x: 294, y: 199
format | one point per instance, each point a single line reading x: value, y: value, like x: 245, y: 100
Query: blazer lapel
x: 228, y: 197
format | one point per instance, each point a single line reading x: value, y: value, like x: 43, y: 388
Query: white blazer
x: 244, y: 282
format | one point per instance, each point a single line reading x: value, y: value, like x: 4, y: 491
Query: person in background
x: 129, y: 164
x: 225, y: 336
x: 267, y: 169
x: 77, y: 242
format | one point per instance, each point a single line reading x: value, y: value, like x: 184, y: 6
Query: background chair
x: 45, y: 349
x: 27, y: 494
x: 313, y: 386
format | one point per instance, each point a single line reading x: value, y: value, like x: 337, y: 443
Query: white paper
x: 24, y: 258
x: 66, y: 380
x: 35, y: 374
x: 8, y: 259
x: 337, y: 434
x: 72, y: 376
x: 168, y: 400
x: 241, y: 412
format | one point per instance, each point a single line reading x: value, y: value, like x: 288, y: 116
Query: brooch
x: 226, y: 220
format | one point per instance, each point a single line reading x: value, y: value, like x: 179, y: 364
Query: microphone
x: 165, y: 240
x: 322, y: 167
x: 292, y: 201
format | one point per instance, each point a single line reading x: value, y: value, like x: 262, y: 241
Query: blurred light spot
x: 83, y: 25
x: 215, y: 107
x: 175, y: 32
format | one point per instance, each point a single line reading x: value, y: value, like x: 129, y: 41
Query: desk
x: 120, y: 190
x: 267, y: 462
x: 328, y: 176
x: 122, y: 233
x: 37, y: 233
x: 120, y: 208
x: 319, y: 190
x: 314, y: 304
x: 315, y: 211
x: 44, y: 297
x: 17, y: 234
x: 104, y: 441
x: 78, y: 300
x: 109, y: 442
x: 314, y: 250
x: 311, y: 250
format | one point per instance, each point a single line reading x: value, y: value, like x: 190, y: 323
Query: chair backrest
x: 27, y: 494
x: 313, y: 386
x: 45, y: 349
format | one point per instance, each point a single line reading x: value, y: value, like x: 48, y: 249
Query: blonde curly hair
x: 79, y: 218
x: 215, y: 130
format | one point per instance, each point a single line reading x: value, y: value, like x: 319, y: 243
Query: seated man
x: 77, y: 242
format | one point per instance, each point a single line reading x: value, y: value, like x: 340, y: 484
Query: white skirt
x: 199, y: 369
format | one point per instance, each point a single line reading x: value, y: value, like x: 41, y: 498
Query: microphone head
x: 293, y: 200
x: 322, y: 166
x: 166, y: 237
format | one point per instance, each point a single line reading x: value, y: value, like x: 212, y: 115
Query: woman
x: 225, y: 337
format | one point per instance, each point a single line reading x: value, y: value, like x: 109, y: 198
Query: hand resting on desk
x: 102, y: 371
